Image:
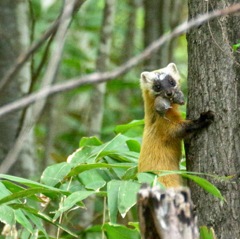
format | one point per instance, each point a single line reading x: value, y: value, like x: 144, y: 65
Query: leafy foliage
x: 207, y: 233
x: 105, y: 171
x: 236, y: 46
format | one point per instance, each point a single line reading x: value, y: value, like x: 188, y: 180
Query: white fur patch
x: 147, y: 77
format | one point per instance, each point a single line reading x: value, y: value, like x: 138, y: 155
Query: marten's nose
x: 169, y: 93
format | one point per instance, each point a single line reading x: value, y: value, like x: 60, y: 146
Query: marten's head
x: 164, y: 82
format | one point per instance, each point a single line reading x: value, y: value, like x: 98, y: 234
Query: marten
x: 164, y: 127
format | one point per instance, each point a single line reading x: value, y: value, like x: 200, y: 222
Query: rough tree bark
x: 166, y: 213
x: 14, y: 38
x: 214, y: 83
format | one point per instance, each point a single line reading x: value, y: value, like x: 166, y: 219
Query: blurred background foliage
x: 64, y: 120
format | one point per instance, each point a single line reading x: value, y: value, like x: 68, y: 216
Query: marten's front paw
x: 207, y: 117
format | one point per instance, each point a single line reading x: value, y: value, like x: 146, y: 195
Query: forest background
x: 69, y: 116
x: 97, y: 36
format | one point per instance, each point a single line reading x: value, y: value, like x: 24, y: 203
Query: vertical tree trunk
x: 129, y: 41
x: 161, y: 17
x: 153, y: 29
x: 14, y: 38
x: 166, y: 213
x: 97, y: 100
x: 175, y: 10
x: 214, y: 83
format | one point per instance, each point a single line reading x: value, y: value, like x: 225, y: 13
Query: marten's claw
x: 207, y: 116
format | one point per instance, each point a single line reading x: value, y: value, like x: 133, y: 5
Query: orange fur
x: 161, y: 149
x: 164, y: 127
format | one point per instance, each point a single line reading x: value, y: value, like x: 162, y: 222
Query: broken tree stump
x: 166, y: 213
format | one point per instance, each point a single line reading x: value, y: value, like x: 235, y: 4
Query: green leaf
x: 127, y: 196
x: 114, y: 231
x: 54, y: 174
x: 236, y: 46
x: 3, y: 191
x: 90, y: 141
x: 15, y: 189
x: 133, y: 145
x: 149, y: 178
x: 206, y: 233
x: 12, y: 187
x: 37, y: 222
x: 182, y: 164
x: 125, y: 127
x: 134, y: 225
x: 112, y: 197
x: 94, y: 232
x: 42, y: 216
x: 7, y: 215
x: 21, y: 218
x: 30, y: 183
x: 117, y: 171
x: 82, y: 155
x: 116, y: 148
x: 130, y: 173
x: 27, y: 193
x: 71, y: 200
x: 84, y: 167
x: 92, y: 179
x: 205, y: 184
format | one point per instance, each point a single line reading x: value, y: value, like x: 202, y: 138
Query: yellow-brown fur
x: 163, y: 131
x: 161, y: 149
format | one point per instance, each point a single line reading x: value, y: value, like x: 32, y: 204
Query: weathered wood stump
x: 166, y: 213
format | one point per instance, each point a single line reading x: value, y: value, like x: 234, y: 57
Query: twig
x: 23, y: 58
x: 107, y: 76
x: 47, y: 80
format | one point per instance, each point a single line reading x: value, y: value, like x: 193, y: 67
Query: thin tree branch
x: 107, y: 76
x: 23, y: 58
x: 48, y: 78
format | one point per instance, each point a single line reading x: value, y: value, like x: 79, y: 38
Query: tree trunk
x: 161, y: 17
x: 166, y: 213
x: 14, y: 39
x: 214, y: 84
x: 176, y: 8
x: 153, y: 29
x: 95, y: 114
x: 129, y: 41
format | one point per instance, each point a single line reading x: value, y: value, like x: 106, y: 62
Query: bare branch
x: 107, y: 76
x: 47, y: 80
x: 23, y: 58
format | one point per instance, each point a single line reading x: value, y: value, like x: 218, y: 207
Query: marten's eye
x: 157, y: 87
x: 172, y: 82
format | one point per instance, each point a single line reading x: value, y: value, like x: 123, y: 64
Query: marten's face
x: 163, y: 82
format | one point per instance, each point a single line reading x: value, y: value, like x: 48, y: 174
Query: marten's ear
x: 172, y: 68
x: 147, y: 77
x: 173, y: 71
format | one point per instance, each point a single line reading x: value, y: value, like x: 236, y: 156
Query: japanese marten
x: 164, y: 127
